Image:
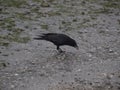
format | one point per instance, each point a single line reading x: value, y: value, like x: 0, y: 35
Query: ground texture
x: 27, y: 64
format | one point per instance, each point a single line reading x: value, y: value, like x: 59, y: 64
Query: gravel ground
x: 27, y: 64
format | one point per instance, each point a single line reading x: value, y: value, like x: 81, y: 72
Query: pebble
x: 16, y: 74
x: 12, y: 86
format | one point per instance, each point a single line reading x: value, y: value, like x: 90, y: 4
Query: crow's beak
x: 77, y: 47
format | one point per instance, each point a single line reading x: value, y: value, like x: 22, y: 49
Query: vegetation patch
x: 12, y: 34
x: 22, y: 16
x: 3, y: 64
x: 53, y: 13
x: 112, y: 4
x: 44, y: 26
x: 13, y: 3
x: 7, y: 23
x: 3, y: 43
x: 45, y: 4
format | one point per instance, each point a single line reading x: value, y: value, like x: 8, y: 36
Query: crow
x: 58, y: 40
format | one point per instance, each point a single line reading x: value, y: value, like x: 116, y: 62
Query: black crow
x: 58, y: 40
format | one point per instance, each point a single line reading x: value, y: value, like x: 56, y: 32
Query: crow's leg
x: 59, y: 49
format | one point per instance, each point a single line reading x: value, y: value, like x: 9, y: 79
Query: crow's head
x: 73, y: 44
x: 76, y: 46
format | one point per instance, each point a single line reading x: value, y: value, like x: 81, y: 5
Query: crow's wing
x: 55, y: 38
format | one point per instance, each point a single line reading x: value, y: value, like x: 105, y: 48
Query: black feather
x: 58, y: 39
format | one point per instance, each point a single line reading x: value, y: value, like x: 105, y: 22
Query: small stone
x: 90, y: 55
x: 111, y: 51
x: 12, y: 86
x: 78, y: 70
x: 16, y: 74
x: 104, y: 74
x: 115, y: 53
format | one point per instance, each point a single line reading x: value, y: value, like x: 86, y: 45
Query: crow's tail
x: 40, y: 37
